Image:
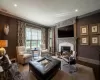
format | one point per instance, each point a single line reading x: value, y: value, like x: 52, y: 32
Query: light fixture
x: 15, y: 5
x: 3, y: 43
x: 76, y: 10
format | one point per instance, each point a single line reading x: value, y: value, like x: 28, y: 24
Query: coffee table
x: 45, y: 68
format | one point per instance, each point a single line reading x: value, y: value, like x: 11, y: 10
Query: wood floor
x: 83, y: 73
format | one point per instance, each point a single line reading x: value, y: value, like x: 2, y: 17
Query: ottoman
x: 45, y: 68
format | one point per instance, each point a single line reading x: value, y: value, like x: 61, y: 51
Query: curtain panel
x: 51, y: 47
x: 21, y: 33
x: 43, y: 37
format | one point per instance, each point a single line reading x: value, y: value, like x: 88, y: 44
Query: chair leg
x: 72, y: 68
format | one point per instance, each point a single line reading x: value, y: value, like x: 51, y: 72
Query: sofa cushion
x: 21, y: 49
x: 46, y: 50
x: 1, y: 69
x: 27, y: 55
x: 22, y: 52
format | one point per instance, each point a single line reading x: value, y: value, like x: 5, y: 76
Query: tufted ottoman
x: 45, y: 68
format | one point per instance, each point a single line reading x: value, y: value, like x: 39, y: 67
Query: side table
x: 35, y: 52
x: 13, y: 60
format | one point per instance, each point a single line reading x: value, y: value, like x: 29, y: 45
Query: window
x: 33, y: 38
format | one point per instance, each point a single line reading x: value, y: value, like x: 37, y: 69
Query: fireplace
x: 66, y: 43
x: 65, y: 49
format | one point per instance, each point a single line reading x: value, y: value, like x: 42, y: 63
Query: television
x: 67, y: 31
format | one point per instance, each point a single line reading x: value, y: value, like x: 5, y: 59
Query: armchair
x: 44, y: 51
x: 71, y: 62
x: 22, y: 55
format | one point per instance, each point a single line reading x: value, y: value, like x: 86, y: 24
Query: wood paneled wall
x: 12, y: 36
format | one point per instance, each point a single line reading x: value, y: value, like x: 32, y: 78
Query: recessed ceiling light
x: 15, y: 5
x: 76, y: 10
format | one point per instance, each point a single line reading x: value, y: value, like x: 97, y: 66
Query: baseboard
x: 92, y: 61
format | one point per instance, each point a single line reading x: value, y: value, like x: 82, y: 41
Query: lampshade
x: 3, y: 43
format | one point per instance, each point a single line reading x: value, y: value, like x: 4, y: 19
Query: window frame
x: 37, y: 40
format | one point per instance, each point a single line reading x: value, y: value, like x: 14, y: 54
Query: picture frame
x: 95, y: 29
x: 95, y: 40
x: 84, y: 40
x: 84, y: 30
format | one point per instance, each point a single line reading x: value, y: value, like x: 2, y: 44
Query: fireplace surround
x: 67, y: 42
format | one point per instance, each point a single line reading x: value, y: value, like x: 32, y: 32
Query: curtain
x: 51, y: 40
x: 21, y: 33
x: 43, y: 37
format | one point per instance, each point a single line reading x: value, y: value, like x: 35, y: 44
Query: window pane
x: 39, y: 43
x: 34, y: 38
x: 50, y: 42
x: 50, y: 33
x: 39, y: 34
x: 28, y: 34
x: 39, y: 37
x: 34, y: 44
x: 27, y: 44
x: 34, y: 32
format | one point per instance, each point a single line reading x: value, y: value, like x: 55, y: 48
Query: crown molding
x: 21, y: 19
x: 89, y: 14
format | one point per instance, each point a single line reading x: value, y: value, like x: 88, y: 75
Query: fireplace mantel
x: 70, y: 41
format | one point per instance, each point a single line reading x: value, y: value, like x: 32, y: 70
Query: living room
x: 33, y: 31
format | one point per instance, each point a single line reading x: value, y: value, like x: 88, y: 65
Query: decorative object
x: 84, y: 40
x: 3, y: 43
x: 6, y: 29
x: 95, y: 40
x: 10, y: 71
x: 84, y: 30
x: 95, y: 29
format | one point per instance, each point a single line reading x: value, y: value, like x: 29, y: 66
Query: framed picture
x: 95, y: 40
x: 95, y: 29
x: 84, y: 40
x: 84, y: 30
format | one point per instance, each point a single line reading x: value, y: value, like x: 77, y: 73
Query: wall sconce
x: 6, y: 29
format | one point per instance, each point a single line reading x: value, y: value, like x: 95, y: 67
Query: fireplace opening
x: 65, y: 49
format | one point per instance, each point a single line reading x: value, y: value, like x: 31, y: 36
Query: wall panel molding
x: 97, y: 62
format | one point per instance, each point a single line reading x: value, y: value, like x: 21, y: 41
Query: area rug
x: 59, y: 76
x: 83, y: 73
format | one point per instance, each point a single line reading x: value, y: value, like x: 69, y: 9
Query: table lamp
x: 3, y: 43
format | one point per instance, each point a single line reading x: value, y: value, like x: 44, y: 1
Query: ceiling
x: 48, y: 12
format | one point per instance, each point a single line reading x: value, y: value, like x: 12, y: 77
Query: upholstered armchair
x: 43, y: 50
x: 22, y: 55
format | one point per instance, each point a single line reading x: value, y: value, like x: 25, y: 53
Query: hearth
x: 65, y: 49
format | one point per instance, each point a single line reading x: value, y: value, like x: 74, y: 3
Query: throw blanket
x: 10, y: 72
